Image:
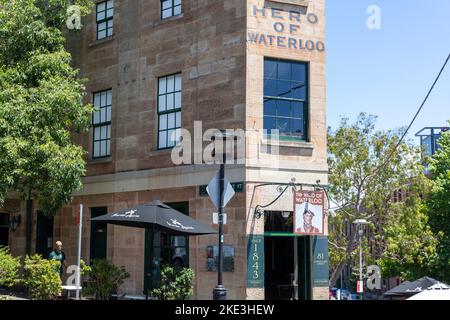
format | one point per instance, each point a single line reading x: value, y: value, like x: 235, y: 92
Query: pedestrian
x: 59, y: 255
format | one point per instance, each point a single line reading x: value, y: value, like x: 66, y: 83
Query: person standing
x: 59, y: 255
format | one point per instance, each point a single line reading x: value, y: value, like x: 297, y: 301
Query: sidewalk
x: 6, y: 295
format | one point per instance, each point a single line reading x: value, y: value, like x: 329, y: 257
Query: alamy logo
x: 73, y: 21
x: 374, y: 20
x: 373, y: 277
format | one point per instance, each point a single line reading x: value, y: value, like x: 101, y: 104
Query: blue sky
x: 388, y: 72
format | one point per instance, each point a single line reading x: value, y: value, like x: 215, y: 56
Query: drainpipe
x: 29, y: 215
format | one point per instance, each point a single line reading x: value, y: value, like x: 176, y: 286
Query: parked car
x: 354, y: 296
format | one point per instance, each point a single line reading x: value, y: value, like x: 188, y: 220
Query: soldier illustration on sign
x: 308, y: 216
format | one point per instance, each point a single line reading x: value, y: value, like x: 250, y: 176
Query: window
x: 4, y: 229
x: 104, y: 18
x: 99, y: 236
x: 169, y: 111
x: 170, y: 8
x: 286, y: 98
x: 101, y: 122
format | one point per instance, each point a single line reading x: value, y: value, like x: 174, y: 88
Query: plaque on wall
x: 320, y: 261
x: 255, y: 261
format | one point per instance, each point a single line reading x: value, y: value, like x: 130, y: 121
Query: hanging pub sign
x: 309, y: 212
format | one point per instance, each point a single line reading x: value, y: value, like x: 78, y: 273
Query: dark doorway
x: 287, y: 259
x: 44, y: 234
x: 167, y: 248
x: 279, y: 268
x: 4, y: 229
x: 98, y: 234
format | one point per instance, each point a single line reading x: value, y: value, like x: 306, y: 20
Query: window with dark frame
x: 169, y: 111
x: 104, y: 18
x: 101, y: 123
x: 286, y: 98
x: 170, y: 8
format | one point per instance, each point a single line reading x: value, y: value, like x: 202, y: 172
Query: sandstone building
x: 156, y: 66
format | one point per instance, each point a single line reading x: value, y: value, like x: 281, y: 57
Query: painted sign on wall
x: 255, y: 261
x: 287, y: 25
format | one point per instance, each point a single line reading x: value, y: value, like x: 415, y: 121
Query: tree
x: 365, y: 172
x: 41, y: 103
x: 439, y: 205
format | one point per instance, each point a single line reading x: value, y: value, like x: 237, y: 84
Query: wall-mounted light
x: 285, y: 214
x: 15, y: 222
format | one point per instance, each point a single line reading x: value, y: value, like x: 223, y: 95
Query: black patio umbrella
x: 398, y: 290
x: 420, y: 285
x: 157, y: 216
x: 408, y: 288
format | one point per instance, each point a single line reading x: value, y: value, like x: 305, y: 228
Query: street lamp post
x: 220, y: 292
x: 360, y: 223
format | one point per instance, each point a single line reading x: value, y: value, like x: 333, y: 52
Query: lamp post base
x: 219, y: 293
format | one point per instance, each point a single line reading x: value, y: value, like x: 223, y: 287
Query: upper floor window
x: 104, y: 18
x: 286, y: 98
x: 169, y: 111
x: 101, y: 123
x: 170, y: 8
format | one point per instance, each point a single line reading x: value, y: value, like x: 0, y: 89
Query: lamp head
x: 285, y: 214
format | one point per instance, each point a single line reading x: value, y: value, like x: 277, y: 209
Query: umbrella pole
x: 149, y: 275
x: 150, y: 278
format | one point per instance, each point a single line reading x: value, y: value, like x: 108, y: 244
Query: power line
x: 414, y: 119
x: 409, y: 127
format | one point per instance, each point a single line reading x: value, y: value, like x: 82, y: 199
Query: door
x: 279, y: 268
x: 98, y: 234
x: 4, y: 229
x: 44, y: 234
x: 167, y: 248
x: 287, y: 260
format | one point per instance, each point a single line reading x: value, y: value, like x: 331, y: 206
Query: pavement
x: 7, y: 295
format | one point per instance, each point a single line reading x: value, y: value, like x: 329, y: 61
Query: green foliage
x: 175, y: 283
x: 411, y: 245
x: 399, y: 238
x: 9, y: 268
x: 41, y: 277
x: 104, y: 279
x: 41, y: 101
x: 85, y: 268
x: 439, y: 204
